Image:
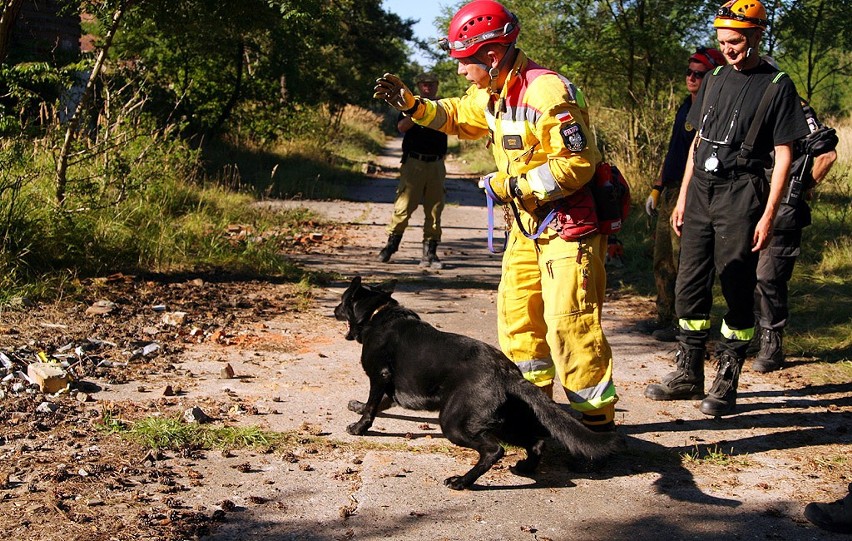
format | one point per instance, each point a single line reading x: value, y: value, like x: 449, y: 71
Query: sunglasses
x: 697, y: 74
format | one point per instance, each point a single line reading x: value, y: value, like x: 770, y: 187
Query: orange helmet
x: 741, y: 14
x: 478, y: 23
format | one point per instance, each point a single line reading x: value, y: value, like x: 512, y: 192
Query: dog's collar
x: 379, y: 309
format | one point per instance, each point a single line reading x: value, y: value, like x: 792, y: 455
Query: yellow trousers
x: 419, y: 183
x: 549, y: 317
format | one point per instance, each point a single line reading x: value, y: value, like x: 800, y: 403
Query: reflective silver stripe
x: 593, y: 395
x: 543, y: 183
x: 513, y: 127
x: 535, y: 365
x: 439, y: 120
x: 522, y: 112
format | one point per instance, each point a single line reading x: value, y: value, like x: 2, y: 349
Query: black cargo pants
x: 718, y: 227
x: 774, y: 270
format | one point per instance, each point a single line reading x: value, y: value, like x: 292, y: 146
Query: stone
x: 227, y: 372
x: 50, y: 377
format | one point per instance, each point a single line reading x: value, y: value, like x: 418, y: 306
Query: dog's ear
x: 355, y: 282
x: 388, y: 286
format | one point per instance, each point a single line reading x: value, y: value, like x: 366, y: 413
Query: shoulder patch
x: 573, y: 137
x: 565, y: 117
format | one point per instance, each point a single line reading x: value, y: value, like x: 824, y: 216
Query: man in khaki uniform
x: 421, y: 180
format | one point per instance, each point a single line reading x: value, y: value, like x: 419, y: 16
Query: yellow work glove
x: 390, y: 88
x: 501, y: 187
x: 651, y: 202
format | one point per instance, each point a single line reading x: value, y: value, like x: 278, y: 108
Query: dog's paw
x: 456, y: 482
x: 356, y: 406
x: 358, y: 429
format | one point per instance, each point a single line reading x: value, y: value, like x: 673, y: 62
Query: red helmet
x: 709, y: 57
x: 477, y: 23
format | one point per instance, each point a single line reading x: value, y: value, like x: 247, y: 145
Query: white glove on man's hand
x: 390, y: 88
x: 651, y: 202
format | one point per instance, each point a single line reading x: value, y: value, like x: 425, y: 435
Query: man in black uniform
x: 725, y: 211
x: 421, y: 179
x: 814, y: 156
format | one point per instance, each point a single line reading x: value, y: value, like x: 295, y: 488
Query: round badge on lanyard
x: 711, y: 164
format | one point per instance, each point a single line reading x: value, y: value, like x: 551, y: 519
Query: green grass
x: 715, y: 456
x: 173, y: 434
x: 155, y: 204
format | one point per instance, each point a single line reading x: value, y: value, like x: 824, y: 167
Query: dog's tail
x: 576, y: 437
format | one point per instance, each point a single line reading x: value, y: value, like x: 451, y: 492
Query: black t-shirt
x: 723, y: 117
x: 683, y: 134
x: 424, y: 140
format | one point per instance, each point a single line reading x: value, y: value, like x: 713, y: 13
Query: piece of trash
x: 47, y: 407
x: 145, y: 351
x: 100, y: 343
x: 174, y: 318
x: 7, y: 362
x: 159, y: 307
x: 109, y: 364
x: 100, y: 308
x: 196, y: 415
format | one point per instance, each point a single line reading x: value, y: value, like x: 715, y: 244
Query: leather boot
x: 771, y: 354
x: 835, y: 516
x: 390, y: 248
x: 686, y: 382
x: 722, y: 398
x: 430, y: 256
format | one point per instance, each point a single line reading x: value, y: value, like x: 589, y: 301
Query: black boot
x: 722, y: 398
x: 686, y: 382
x: 835, y: 516
x: 771, y: 355
x: 430, y: 257
x: 390, y: 248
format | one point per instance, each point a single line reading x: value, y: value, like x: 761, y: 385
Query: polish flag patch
x: 564, y: 117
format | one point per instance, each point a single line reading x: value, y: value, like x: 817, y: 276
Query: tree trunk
x: 74, y: 121
x: 236, y: 91
x: 11, y: 8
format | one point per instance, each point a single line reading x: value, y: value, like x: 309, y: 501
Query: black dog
x: 482, y: 397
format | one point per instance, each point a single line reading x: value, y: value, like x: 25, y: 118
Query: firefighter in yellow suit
x: 536, y: 121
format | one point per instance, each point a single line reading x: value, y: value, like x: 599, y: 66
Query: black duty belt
x: 425, y: 157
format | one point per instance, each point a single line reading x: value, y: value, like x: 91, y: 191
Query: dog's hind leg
x: 490, y: 452
x: 530, y: 463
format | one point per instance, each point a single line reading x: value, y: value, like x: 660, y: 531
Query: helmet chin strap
x: 494, y: 73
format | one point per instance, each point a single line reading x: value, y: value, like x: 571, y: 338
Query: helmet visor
x: 462, y: 45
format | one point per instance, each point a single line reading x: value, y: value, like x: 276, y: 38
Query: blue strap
x: 490, y: 198
x: 541, y: 226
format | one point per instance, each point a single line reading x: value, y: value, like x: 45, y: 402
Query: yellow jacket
x: 540, y: 133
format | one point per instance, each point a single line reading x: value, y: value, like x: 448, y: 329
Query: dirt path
x: 684, y: 475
